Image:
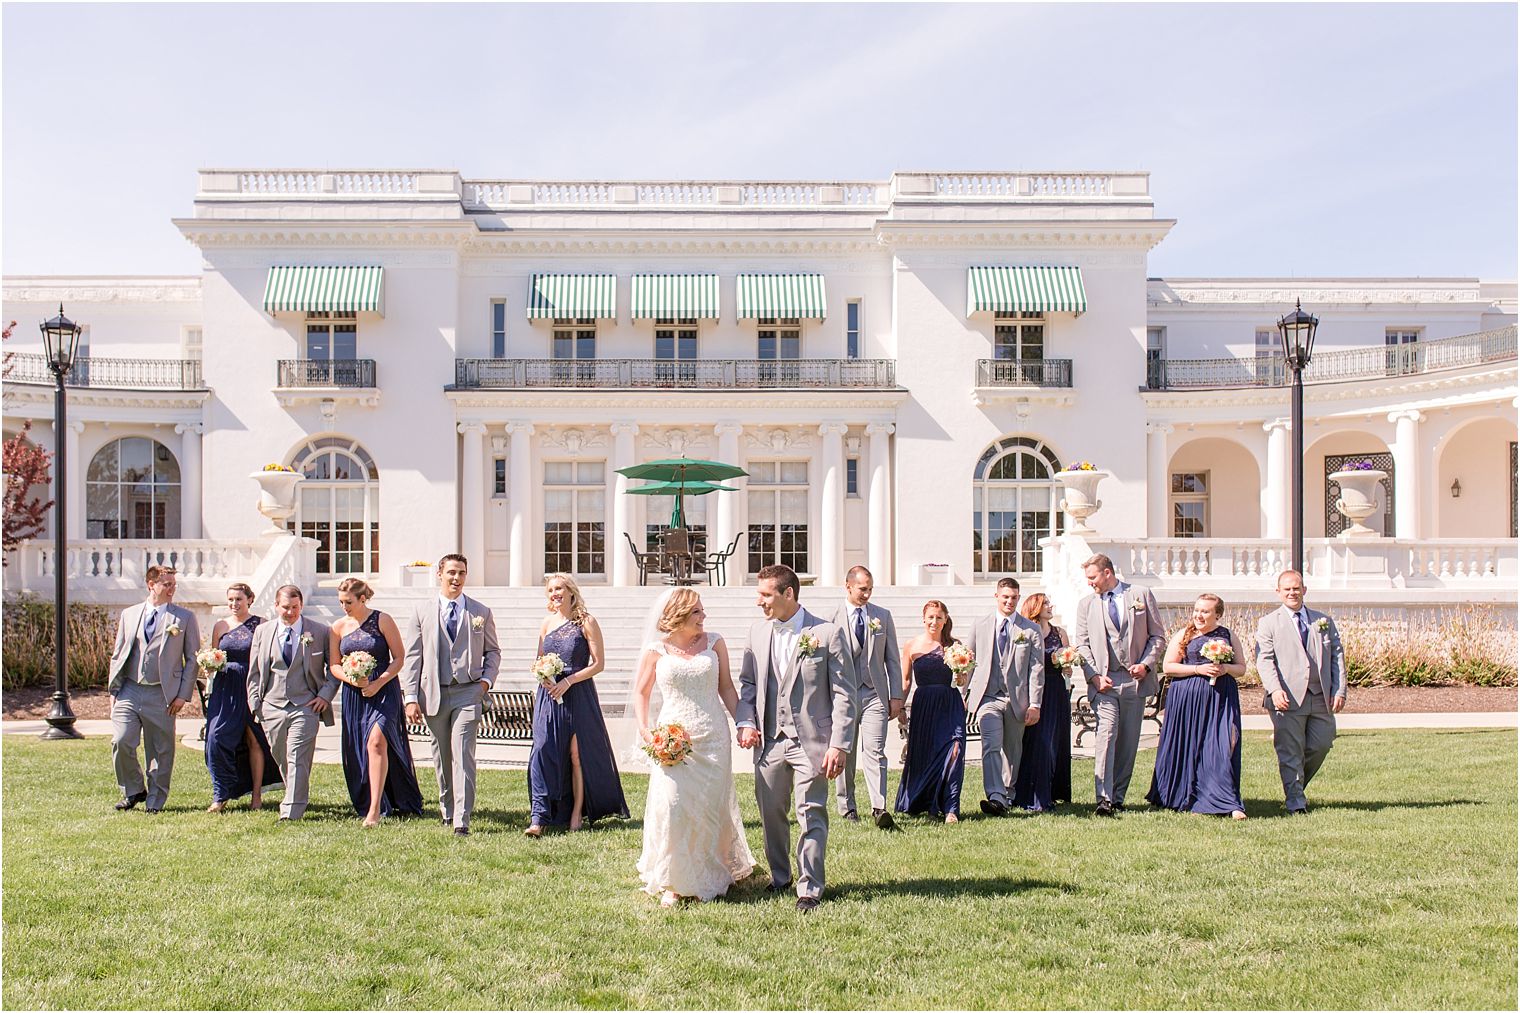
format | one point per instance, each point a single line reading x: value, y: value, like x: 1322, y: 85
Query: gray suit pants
x: 453, y: 729
x: 1119, y: 712
x: 1302, y: 737
x: 1002, y: 748
x: 292, y: 734
x: 782, y: 772
x: 139, y: 714
x: 870, y: 740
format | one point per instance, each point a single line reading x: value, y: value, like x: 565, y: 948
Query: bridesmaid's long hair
x: 1192, y: 630
x: 578, y: 611
x: 945, y: 639
x: 1031, y: 607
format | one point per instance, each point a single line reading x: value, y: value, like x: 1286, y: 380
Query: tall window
x: 1403, y: 350
x: 499, y: 477
x: 575, y: 517
x: 852, y: 476
x: 339, y: 505
x: 852, y: 329
x: 1381, y: 518
x: 1270, y: 368
x: 1155, y: 354
x: 574, y: 338
x: 778, y: 514
x: 191, y: 343
x: 1019, y: 336
x: 675, y: 346
x: 1190, y: 504
x: 498, y: 328
x: 659, y: 511
x: 779, y: 338
x: 1514, y: 490
x: 132, y: 490
x: 331, y: 335
x: 80, y: 371
x: 1014, y: 505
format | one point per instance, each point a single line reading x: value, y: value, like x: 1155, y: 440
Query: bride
x: 694, y: 842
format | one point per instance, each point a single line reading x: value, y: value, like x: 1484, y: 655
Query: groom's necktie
x: 860, y: 626
x: 1113, y: 609
x: 287, y: 644
x: 1003, y: 639
x: 1303, y: 629
x: 150, y: 625
x: 452, y: 622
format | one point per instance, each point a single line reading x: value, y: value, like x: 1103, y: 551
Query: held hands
x: 748, y: 738
x: 1280, y: 700
x: 414, y: 712
x: 1032, y: 716
x: 1213, y: 670
x: 833, y: 762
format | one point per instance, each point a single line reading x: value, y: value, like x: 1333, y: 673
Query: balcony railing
x: 127, y: 374
x: 326, y: 373
x: 1372, y: 363
x: 1013, y: 373
x: 695, y: 374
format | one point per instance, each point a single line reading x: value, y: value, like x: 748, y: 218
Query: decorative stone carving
x: 573, y: 440
x: 779, y: 440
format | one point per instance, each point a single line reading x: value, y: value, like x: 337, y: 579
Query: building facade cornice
x: 563, y: 405
x: 1142, y: 235
x: 102, y: 290
x: 1316, y: 291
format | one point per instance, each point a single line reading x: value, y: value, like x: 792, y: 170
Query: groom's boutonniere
x: 173, y: 628
x: 1138, y: 605
x: 1322, y: 624
x: 306, y: 640
x: 1021, y: 637
x: 807, y: 645
x: 477, y: 622
x: 874, y: 625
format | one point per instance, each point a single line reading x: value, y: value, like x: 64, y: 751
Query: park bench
x: 1087, y: 721
x: 507, y: 717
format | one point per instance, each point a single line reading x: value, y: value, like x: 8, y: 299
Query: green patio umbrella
x: 681, y: 476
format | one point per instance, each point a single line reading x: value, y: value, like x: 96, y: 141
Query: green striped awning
x: 781, y: 295
x: 325, y: 289
x: 1025, y: 290
x: 573, y: 295
x: 675, y: 295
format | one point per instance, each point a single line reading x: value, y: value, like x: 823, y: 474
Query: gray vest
x: 778, y: 712
x: 136, y: 659
x: 454, y: 658
x: 863, y: 658
x: 1112, y: 634
x: 286, y: 690
x: 997, y: 685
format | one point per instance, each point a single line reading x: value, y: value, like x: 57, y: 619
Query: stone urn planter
x: 277, y: 498
x: 1358, y: 499
x: 417, y: 575
x: 1081, y: 500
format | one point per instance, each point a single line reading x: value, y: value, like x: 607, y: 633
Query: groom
x: 797, y: 712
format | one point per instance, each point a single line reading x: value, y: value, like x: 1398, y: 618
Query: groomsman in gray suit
x: 152, y: 675
x: 290, y: 689
x: 1006, y: 690
x: 797, y: 712
x: 452, y: 661
x: 872, y: 638
x: 1302, y: 666
x: 1120, y: 637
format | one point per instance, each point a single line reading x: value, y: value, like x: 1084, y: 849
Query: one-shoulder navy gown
x: 931, y: 777
x: 360, y: 714
x: 227, y: 719
x: 578, y: 716
x: 1198, y: 757
x: 1045, y: 772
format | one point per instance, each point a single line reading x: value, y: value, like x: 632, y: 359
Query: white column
x: 1158, y: 480
x: 72, y: 529
x: 622, y: 457
x: 1406, y: 473
x: 879, y: 502
x: 1275, y: 491
x: 520, y: 496
x: 472, y: 496
x: 831, y: 499
x: 728, y: 502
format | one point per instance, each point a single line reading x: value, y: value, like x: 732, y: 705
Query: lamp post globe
x: 1297, y: 330
x: 60, y: 341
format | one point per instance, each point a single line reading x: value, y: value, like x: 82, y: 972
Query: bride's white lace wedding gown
x: 693, y: 839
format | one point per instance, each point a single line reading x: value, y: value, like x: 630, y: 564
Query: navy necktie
x: 860, y: 626
x: 288, y: 644
x: 1003, y: 638
x: 452, y: 622
x: 151, y: 625
x: 1113, y: 609
x: 1303, y: 629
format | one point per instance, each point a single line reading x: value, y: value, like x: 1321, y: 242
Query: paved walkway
x: 621, y: 730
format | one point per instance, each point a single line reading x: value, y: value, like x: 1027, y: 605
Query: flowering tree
x: 26, y: 465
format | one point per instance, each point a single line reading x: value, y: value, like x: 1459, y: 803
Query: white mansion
x: 901, y: 366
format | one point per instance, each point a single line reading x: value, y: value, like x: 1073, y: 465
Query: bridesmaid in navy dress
x: 572, y: 775
x: 1045, y: 772
x: 237, y: 754
x: 1198, y: 758
x: 377, y: 758
x: 936, y: 763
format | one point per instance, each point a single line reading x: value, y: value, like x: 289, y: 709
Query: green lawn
x: 1399, y: 891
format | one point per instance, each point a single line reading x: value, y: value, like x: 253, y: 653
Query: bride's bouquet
x: 211, y: 660
x: 668, y: 744
x: 961, y: 661
x: 546, y: 669
x: 1217, y: 652
x: 358, y: 666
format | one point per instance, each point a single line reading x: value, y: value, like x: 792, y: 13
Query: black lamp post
x: 60, y: 339
x: 1297, y: 330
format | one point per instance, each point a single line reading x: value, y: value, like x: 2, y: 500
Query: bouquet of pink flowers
x: 358, y: 666
x: 546, y: 669
x: 668, y: 744
x: 1066, y: 658
x: 1217, y: 652
x: 961, y: 661
x: 211, y: 659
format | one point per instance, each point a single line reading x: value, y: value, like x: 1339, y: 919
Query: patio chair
x: 677, y: 559
x: 717, y: 562
x: 647, y: 562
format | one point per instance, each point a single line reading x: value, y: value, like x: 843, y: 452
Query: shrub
x: 29, y: 653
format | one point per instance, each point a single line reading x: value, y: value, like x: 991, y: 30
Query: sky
x: 1287, y: 140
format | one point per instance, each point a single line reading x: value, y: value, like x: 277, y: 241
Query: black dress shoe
x: 150, y: 809
x: 806, y: 904
x: 1105, y: 808
x: 132, y: 800
x: 852, y: 816
x: 883, y: 819
x: 777, y: 887
x: 1298, y: 812
x: 992, y: 807
x: 461, y: 831
x: 445, y: 820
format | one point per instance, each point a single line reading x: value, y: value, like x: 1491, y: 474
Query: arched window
x: 132, y: 491
x: 339, y: 505
x: 1014, y: 505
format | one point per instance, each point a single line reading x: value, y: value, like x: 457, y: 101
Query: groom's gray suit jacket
x: 307, y: 676
x: 879, y: 659
x: 171, y: 656
x: 426, y: 657
x: 1023, y: 668
x: 1282, y: 663
x: 818, y: 690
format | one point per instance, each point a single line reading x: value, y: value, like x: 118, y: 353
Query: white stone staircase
x: 621, y: 611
